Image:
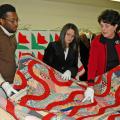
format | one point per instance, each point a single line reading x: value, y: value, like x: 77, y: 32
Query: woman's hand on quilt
x: 8, y: 89
x: 89, y: 94
x: 31, y: 117
x: 66, y: 75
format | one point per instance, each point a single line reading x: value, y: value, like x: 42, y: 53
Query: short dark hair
x: 6, y: 8
x: 111, y: 17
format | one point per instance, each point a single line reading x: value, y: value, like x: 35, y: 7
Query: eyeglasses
x: 12, y: 20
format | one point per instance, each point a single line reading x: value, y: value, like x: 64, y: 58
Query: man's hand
x: 66, y: 75
x: 8, y: 89
x: 89, y: 95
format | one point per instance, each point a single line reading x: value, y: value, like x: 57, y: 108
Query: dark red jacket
x: 98, y: 57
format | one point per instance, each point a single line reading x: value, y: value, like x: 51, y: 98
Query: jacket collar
x: 6, y: 32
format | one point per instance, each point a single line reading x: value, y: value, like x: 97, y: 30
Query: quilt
x: 48, y: 97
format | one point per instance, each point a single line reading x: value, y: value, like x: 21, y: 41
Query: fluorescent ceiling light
x: 116, y: 0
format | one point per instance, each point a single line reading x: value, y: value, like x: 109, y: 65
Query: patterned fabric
x: 61, y: 100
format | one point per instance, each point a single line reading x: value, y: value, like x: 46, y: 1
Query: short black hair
x: 110, y: 16
x: 4, y: 8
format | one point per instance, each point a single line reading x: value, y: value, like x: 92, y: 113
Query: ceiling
x: 34, y: 13
x: 99, y: 3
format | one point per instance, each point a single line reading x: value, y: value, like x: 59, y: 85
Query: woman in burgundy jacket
x: 105, y: 49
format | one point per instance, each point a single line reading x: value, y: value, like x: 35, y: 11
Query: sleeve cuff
x: 91, y: 82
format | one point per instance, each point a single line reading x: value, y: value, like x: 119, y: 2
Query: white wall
x: 45, y: 15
